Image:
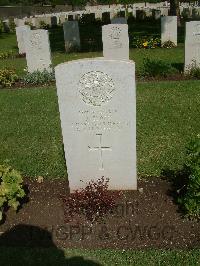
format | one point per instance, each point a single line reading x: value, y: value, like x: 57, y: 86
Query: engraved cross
x: 100, y: 148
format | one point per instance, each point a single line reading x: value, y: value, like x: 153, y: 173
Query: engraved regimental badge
x: 96, y: 88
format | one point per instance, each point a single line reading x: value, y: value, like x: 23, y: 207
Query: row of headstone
x: 60, y: 18
x: 192, y: 39
x: 112, y: 33
x: 35, y: 43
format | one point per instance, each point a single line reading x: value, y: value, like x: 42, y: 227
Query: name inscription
x: 90, y: 120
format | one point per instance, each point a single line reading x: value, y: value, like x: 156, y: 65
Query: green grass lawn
x: 104, y: 257
x: 30, y: 134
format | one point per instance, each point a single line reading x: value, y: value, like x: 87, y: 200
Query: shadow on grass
x: 178, y: 66
x: 179, y: 181
x: 31, y: 245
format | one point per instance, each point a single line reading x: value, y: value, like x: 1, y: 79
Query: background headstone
x: 62, y: 18
x: 192, y: 45
x: 6, y: 26
x: 98, y: 15
x: 156, y: 14
x: 140, y: 14
x: 106, y: 17
x: 119, y: 20
x: 70, y: 18
x: 47, y: 20
x: 54, y: 21
x: 169, y: 29
x: 115, y: 41
x: 71, y: 36
x: 21, y: 33
x: 97, y: 106
x: 19, y: 22
x: 38, y: 53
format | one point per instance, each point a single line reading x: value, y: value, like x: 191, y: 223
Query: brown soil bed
x: 143, y: 219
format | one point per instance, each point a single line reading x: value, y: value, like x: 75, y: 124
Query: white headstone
x: 115, y: 41
x: 19, y: 22
x: 169, y: 29
x: 192, y: 45
x: 62, y: 18
x: 98, y: 15
x: 97, y: 106
x: 21, y: 33
x: 38, y: 54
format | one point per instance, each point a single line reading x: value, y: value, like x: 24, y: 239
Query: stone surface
x: 119, y: 20
x: 19, y: 22
x: 38, y: 54
x: 97, y: 106
x: 21, y: 33
x: 156, y: 14
x: 115, y: 41
x: 54, y: 21
x: 192, y: 45
x: 71, y: 35
x: 169, y: 29
x: 62, y: 19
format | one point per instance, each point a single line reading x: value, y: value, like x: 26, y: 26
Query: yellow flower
x: 145, y: 44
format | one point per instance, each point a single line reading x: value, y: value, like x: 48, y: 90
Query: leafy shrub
x: 39, y: 77
x: 94, y: 201
x: 7, y: 54
x: 7, y: 77
x: 155, y: 68
x: 193, y: 72
x: 147, y: 43
x: 12, y: 25
x: 11, y: 189
x: 44, y: 25
x: 29, y: 24
x: 1, y: 26
x: 190, y: 196
x: 11, y: 54
x: 168, y: 44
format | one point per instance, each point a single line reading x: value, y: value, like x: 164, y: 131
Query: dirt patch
x: 142, y: 219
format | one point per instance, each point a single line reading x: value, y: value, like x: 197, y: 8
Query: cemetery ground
x: 30, y: 136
